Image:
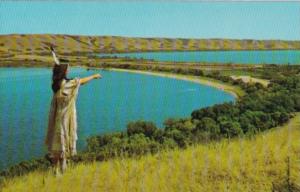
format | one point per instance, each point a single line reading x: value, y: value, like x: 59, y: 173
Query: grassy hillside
x: 74, y: 44
x: 253, y: 164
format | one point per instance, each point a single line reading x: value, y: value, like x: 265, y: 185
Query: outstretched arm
x: 89, y: 78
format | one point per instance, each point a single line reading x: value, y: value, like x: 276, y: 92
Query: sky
x: 187, y: 19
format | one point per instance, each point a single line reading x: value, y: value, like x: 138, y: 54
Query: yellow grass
x: 34, y: 57
x: 237, y: 165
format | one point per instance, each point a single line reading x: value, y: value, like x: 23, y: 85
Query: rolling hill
x: 73, y: 44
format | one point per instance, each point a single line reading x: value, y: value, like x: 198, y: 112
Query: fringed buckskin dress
x: 62, y: 126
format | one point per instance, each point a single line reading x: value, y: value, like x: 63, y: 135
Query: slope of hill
x: 245, y: 164
x: 74, y: 44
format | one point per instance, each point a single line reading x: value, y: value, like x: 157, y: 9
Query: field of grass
x: 241, y: 164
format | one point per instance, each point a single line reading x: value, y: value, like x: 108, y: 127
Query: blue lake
x: 235, y: 57
x: 104, y: 105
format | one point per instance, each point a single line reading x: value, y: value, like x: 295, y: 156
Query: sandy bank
x: 233, y: 90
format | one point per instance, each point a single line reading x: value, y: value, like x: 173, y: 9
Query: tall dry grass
x: 252, y: 164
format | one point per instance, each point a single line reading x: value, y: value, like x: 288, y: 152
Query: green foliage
x: 209, y: 125
x: 139, y: 144
x: 146, y: 128
x: 230, y: 128
x: 24, y: 167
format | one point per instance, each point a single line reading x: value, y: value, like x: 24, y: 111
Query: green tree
x: 230, y: 129
x: 145, y: 127
x: 207, y: 124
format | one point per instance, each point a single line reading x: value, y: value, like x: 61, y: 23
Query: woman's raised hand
x: 97, y: 76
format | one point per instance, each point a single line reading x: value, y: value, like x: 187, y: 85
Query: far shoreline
x: 196, y: 79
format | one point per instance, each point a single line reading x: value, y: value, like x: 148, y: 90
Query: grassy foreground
x: 255, y: 164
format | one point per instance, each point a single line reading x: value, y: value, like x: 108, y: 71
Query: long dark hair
x: 59, y: 73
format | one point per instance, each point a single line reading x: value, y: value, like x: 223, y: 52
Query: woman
x: 62, y: 125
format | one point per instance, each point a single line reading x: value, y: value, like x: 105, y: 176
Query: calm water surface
x: 236, y: 57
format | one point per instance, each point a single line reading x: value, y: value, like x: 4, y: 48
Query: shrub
x: 144, y: 127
